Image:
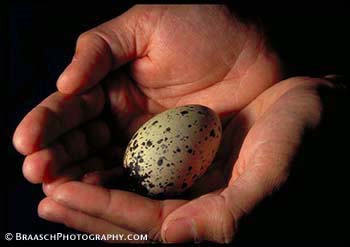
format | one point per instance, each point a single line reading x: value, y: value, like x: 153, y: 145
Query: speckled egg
x: 172, y: 150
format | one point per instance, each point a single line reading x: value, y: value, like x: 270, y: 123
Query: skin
x: 147, y: 60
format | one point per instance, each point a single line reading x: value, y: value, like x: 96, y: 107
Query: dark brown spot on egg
x: 135, y: 136
x: 149, y: 143
x: 183, y: 113
x: 212, y: 133
x: 160, y: 162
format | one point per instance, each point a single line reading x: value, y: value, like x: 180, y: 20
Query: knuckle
x: 86, y: 36
x: 154, y: 233
x: 222, y: 218
x: 94, y: 39
x: 228, y: 222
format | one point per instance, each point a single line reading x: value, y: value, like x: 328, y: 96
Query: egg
x: 169, y: 152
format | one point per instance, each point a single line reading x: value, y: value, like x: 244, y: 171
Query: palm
x: 220, y: 63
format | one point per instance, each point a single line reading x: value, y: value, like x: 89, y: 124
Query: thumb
x: 214, y: 217
x: 205, y: 218
x: 102, y: 49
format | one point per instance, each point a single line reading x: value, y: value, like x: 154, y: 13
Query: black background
x: 311, y: 39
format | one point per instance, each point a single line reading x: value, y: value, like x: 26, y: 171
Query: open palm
x: 151, y: 59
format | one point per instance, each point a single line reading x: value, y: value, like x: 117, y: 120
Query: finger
x: 44, y: 165
x: 214, y: 217
x: 125, y: 209
x: 83, y: 141
x: 56, y: 115
x: 103, y: 49
x: 50, y: 210
x: 73, y: 172
x: 205, y: 218
x: 92, y: 170
x: 102, y: 177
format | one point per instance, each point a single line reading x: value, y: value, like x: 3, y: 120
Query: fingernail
x: 180, y: 231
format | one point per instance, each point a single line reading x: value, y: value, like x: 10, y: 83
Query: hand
x: 176, y: 56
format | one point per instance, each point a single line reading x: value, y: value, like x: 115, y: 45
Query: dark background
x: 312, y: 40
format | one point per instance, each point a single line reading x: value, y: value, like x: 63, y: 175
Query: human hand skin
x: 174, y: 55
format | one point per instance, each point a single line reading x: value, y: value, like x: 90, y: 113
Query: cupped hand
x: 170, y: 56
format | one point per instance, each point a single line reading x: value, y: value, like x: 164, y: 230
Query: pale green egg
x: 172, y: 150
